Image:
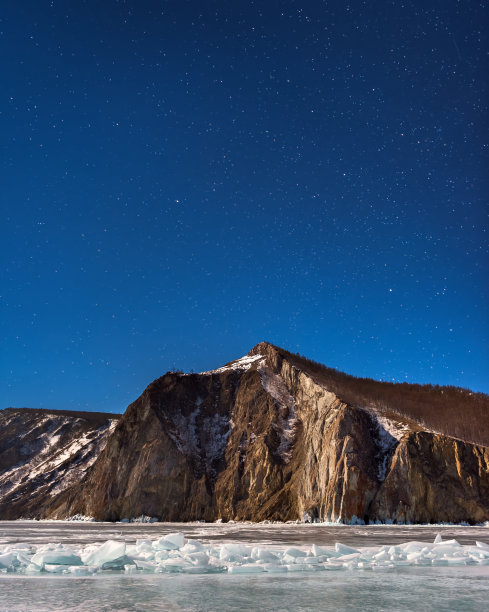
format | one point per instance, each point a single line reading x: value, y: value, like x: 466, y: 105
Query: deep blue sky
x: 181, y: 180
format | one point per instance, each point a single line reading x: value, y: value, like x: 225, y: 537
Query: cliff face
x: 265, y: 438
x: 435, y: 478
x: 44, y: 452
x: 165, y: 454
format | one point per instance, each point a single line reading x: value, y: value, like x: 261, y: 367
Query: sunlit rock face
x: 435, y: 478
x: 274, y: 436
x: 44, y: 452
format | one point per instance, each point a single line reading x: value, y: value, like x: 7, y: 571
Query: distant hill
x: 44, y: 451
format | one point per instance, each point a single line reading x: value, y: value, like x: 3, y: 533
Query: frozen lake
x: 423, y: 587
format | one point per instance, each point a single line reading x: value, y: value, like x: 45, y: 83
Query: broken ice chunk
x: 143, y: 565
x: 263, y: 555
x: 144, y: 546
x: 161, y: 555
x: 349, y: 557
x: 291, y: 554
x: 383, y: 555
x: 344, y: 549
x: 56, y: 557
x: 234, y: 552
x: 110, y: 555
x: 273, y: 567
x: 55, y: 569
x: 296, y: 567
x: 177, y: 539
x: 174, y: 565
x: 447, y: 543
x: 81, y: 570
x: 198, y: 558
x: 7, y: 559
x: 323, y: 553
x: 172, y: 541
x: 192, y: 546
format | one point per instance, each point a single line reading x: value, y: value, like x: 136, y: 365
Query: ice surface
x: 173, y: 553
x: 246, y: 568
x: 447, y: 577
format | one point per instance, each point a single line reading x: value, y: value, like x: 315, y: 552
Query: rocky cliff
x: 275, y: 436
x: 43, y: 452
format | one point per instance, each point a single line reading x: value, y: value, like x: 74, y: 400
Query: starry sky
x: 181, y: 180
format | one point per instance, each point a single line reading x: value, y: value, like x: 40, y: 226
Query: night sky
x: 181, y: 180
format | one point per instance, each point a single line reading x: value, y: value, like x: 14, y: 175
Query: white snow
x: 184, y: 433
x: 244, y: 363
x: 395, y: 429
x: 287, y: 420
x: 202, y: 436
x: 47, y: 466
x: 389, y: 433
x: 216, y: 431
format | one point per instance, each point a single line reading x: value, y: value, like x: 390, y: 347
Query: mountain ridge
x: 42, y: 451
x: 275, y: 436
x: 355, y: 390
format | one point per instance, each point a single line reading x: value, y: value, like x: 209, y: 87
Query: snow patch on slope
x: 392, y: 429
x: 201, y: 436
x: 287, y: 420
x: 244, y: 363
x: 55, y: 468
x: 184, y: 434
x: 89, y: 448
x: 388, y: 434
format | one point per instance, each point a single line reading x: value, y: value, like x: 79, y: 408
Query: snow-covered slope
x: 44, y: 452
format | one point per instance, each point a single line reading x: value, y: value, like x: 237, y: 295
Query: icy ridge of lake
x: 99, y: 581
x: 173, y: 553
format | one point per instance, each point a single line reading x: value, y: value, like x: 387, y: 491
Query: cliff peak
x: 263, y: 348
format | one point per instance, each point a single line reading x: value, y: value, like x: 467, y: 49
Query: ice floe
x: 173, y: 553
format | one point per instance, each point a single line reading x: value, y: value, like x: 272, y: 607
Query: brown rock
x: 275, y: 436
x: 434, y: 478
